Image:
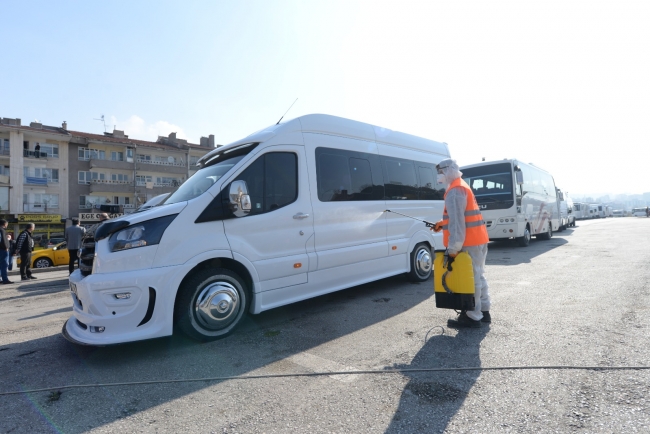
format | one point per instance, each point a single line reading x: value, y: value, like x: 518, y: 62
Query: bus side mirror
x: 519, y: 176
x: 240, y: 201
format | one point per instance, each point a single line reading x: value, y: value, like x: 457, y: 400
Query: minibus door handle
x: 300, y: 216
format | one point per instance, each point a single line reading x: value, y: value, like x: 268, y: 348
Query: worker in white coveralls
x: 464, y: 230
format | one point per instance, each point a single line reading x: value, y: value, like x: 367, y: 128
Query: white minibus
x: 517, y: 200
x: 291, y: 212
x: 639, y: 212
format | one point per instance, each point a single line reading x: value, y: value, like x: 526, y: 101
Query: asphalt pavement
x: 564, y: 353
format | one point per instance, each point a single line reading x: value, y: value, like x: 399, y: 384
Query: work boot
x: 486, y: 317
x: 463, y: 321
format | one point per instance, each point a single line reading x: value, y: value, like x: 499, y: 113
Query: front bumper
x: 116, y: 308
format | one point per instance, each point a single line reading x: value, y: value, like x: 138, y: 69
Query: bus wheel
x: 210, y: 304
x: 548, y: 235
x: 524, y: 240
x: 421, y: 263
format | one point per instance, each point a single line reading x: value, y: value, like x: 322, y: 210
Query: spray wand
x: 429, y: 224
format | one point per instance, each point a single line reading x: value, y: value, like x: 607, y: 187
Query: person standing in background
x: 12, y: 250
x: 24, y: 247
x: 5, y: 249
x: 37, y: 150
x: 73, y: 237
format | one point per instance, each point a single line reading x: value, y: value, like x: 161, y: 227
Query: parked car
x: 50, y: 257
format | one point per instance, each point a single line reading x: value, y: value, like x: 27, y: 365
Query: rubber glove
x: 437, y: 227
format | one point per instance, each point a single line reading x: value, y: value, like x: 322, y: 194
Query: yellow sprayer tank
x: 459, y: 282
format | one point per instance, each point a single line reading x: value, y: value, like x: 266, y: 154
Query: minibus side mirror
x: 519, y: 176
x: 240, y: 201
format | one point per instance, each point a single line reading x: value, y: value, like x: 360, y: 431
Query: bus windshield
x: 492, y: 185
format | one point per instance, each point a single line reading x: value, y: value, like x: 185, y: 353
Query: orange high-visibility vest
x: 475, y: 231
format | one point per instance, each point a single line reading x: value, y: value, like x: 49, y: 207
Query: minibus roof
x: 327, y: 124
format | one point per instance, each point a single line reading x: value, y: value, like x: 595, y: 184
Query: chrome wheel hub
x: 423, y: 262
x: 217, y: 305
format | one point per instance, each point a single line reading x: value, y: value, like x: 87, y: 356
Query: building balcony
x: 37, y: 207
x: 34, y: 154
x: 96, y: 163
x: 172, y: 184
x: 163, y: 166
x: 109, y: 186
x: 5, y: 179
x: 4, y: 153
x: 33, y: 180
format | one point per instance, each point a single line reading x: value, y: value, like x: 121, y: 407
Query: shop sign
x: 94, y: 216
x: 39, y: 218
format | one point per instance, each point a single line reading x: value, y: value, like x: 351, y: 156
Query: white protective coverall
x: 456, y: 203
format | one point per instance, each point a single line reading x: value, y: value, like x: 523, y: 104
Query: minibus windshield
x: 202, y: 180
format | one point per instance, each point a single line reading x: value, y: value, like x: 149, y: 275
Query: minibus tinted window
x: 334, y: 181
x: 428, y: 188
x: 202, y: 180
x: 347, y: 175
x: 272, y: 181
x: 400, y: 180
x: 361, y: 177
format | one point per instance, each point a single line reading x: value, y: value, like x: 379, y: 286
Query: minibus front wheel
x: 210, y: 304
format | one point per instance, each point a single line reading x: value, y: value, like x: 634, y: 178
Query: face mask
x: 441, y: 179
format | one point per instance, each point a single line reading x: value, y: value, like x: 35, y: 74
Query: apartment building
x: 48, y: 175
x: 33, y: 176
x: 114, y: 173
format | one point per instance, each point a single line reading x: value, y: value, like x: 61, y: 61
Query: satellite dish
x: 170, y: 159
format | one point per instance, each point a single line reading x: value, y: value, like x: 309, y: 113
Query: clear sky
x: 565, y: 85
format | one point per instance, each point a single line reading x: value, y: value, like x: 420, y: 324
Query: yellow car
x: 52, y: 257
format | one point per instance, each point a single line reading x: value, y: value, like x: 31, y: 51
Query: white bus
x: 593, y: 211
x: 609, y: 211
x: 291, y: 212
x: 581, y: 210
x: 598, y: 210
x: 639, y: 212
x: 567, y: 218
x: 517, y: 200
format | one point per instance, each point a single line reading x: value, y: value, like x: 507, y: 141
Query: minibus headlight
x: 147, y: 233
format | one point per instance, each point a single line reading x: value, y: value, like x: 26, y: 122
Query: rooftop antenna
x: 287, y: 111
x: 103, y: 121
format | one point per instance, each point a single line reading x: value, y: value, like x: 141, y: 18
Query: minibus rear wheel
x: 421, y: 263
x: 210, y: 304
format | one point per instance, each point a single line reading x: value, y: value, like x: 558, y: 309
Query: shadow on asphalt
x: 431, y: 399
x: 33, y: 288
x: 260, y: 341
x: 508, y: 252
x: 49, y: 312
